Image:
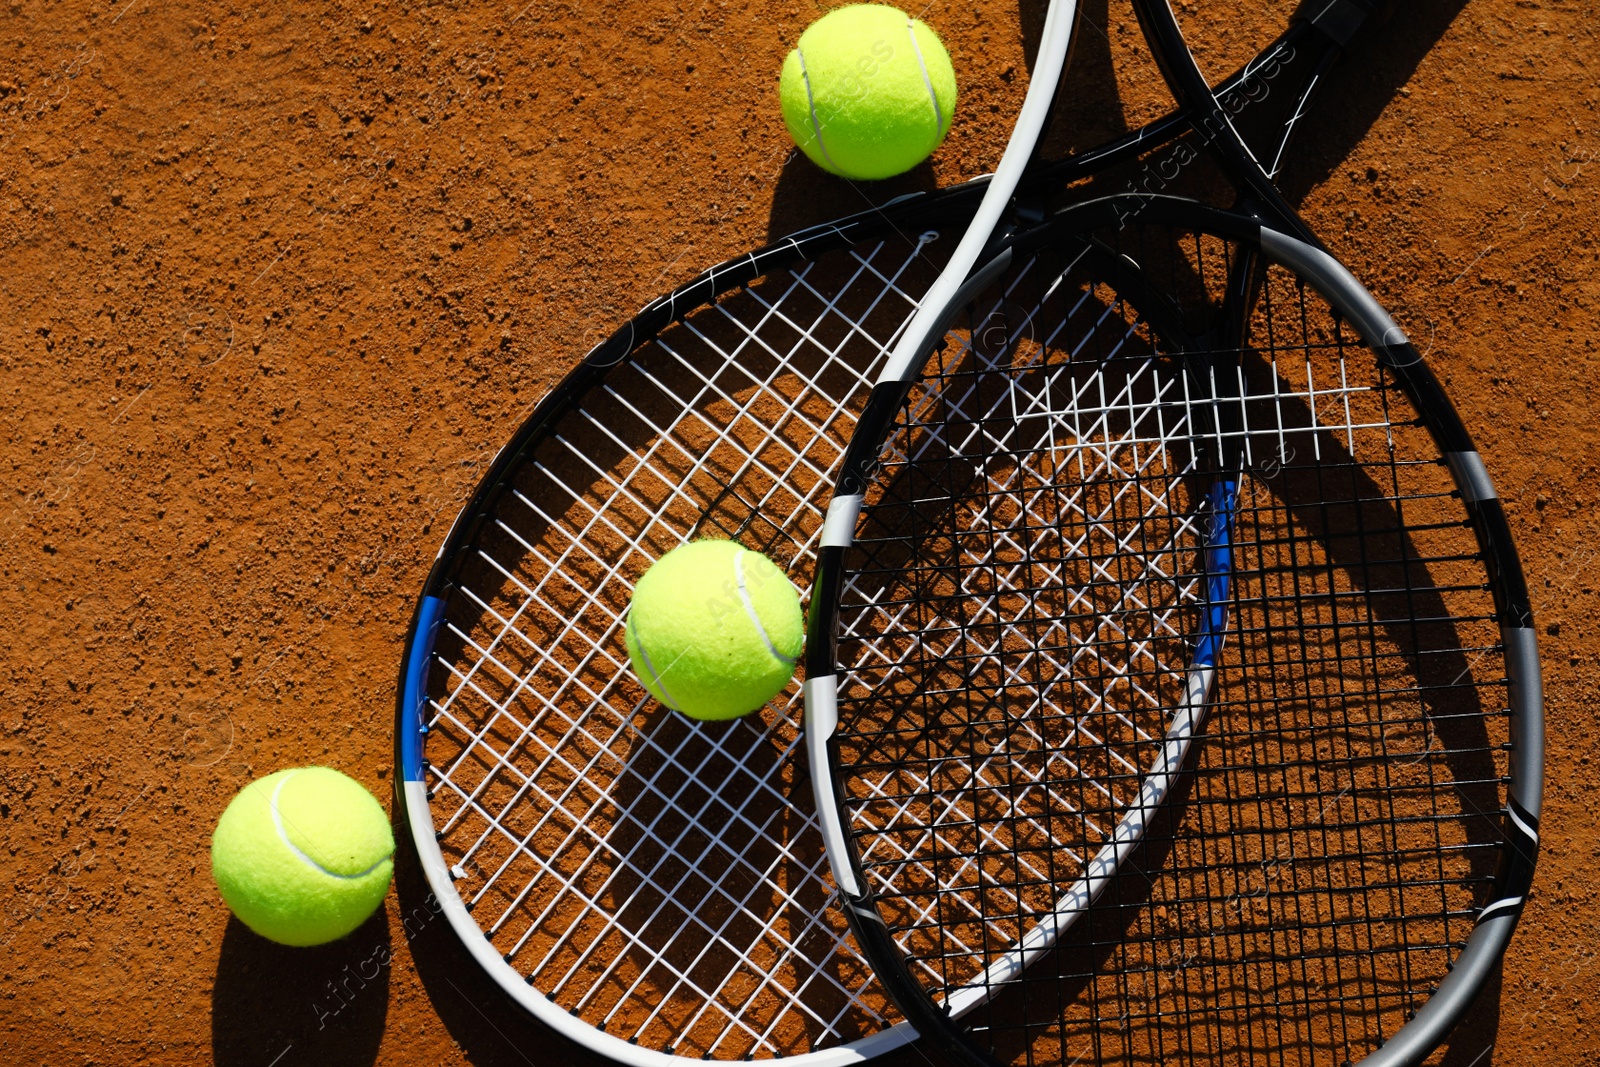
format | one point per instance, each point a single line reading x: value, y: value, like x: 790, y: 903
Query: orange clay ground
x: 278, y: 279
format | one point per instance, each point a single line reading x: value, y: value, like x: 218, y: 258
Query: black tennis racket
x: 1171, y: 683
x: 652, y: 888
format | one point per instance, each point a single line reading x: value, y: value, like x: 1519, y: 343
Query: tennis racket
x: 1171, y: 685
x: 654, y: 889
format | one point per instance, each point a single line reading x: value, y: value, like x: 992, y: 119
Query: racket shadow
x: 1346, y: 785
x: 804, y: 194
x: 463, y: 997
x: 1390, y: 54
x: 1379, y: 750
x: 655, y: 877
x: 1341, y: 808
x: 1009, y: 664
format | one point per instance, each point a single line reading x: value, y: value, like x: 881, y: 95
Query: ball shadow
x: 326, y: 1005
x: 807, y: 195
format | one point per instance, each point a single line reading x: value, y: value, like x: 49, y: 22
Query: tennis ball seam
x: 655, y: 676
x: 750, y: 610
x: 719, y: 622
x: 811, y: 105
x: 283, y: 835
x: 927, y: 79
x: 939, y: 128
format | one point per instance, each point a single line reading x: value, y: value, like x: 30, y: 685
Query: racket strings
x: 1019, y: 593
x: 1018, y: 643
x: 653, y: 877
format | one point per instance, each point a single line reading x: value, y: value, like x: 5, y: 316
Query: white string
x: 533, y: 742
x: 1130, y: 437
x: 992, y: 433
x: 534, y: 739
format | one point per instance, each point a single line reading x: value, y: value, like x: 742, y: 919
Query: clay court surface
x: 278, y: 280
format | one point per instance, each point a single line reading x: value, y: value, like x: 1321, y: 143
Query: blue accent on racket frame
x: 1221, y: 499
x: 428, y: 614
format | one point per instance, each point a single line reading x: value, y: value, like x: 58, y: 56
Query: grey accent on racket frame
x: 1496, y: 919
x: 1377, y: 328
x: 822, y: 718
x: 1471, y: 476
x: 838, y: 529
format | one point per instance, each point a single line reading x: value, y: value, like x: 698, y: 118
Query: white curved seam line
x: 927, y: 80
x: 649, y: 665
x: 283, y: 835
x: 750, y: 610
x: 811, y: 107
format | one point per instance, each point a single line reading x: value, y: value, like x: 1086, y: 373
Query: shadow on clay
x: 285, y: 1007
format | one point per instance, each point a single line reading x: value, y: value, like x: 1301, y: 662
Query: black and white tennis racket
x: 655, y: 889
x: 1172, y: 690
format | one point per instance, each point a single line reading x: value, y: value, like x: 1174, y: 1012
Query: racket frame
x: 913, y: 212
x: 1496, y: 920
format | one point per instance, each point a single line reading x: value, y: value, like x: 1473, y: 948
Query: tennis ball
x: 714, y: 630
x: 303, y: 856
x: 869, y: 92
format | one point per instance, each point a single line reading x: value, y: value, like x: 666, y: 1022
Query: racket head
x: 1347, y: 839
x: 650, y: 886
x: 845, y: 1035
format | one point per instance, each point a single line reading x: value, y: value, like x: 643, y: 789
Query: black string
x: 1317, y: 866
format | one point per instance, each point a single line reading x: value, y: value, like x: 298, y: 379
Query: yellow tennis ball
x: 869, y: 92
x: 303, y: 856
x: 714, y: 630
